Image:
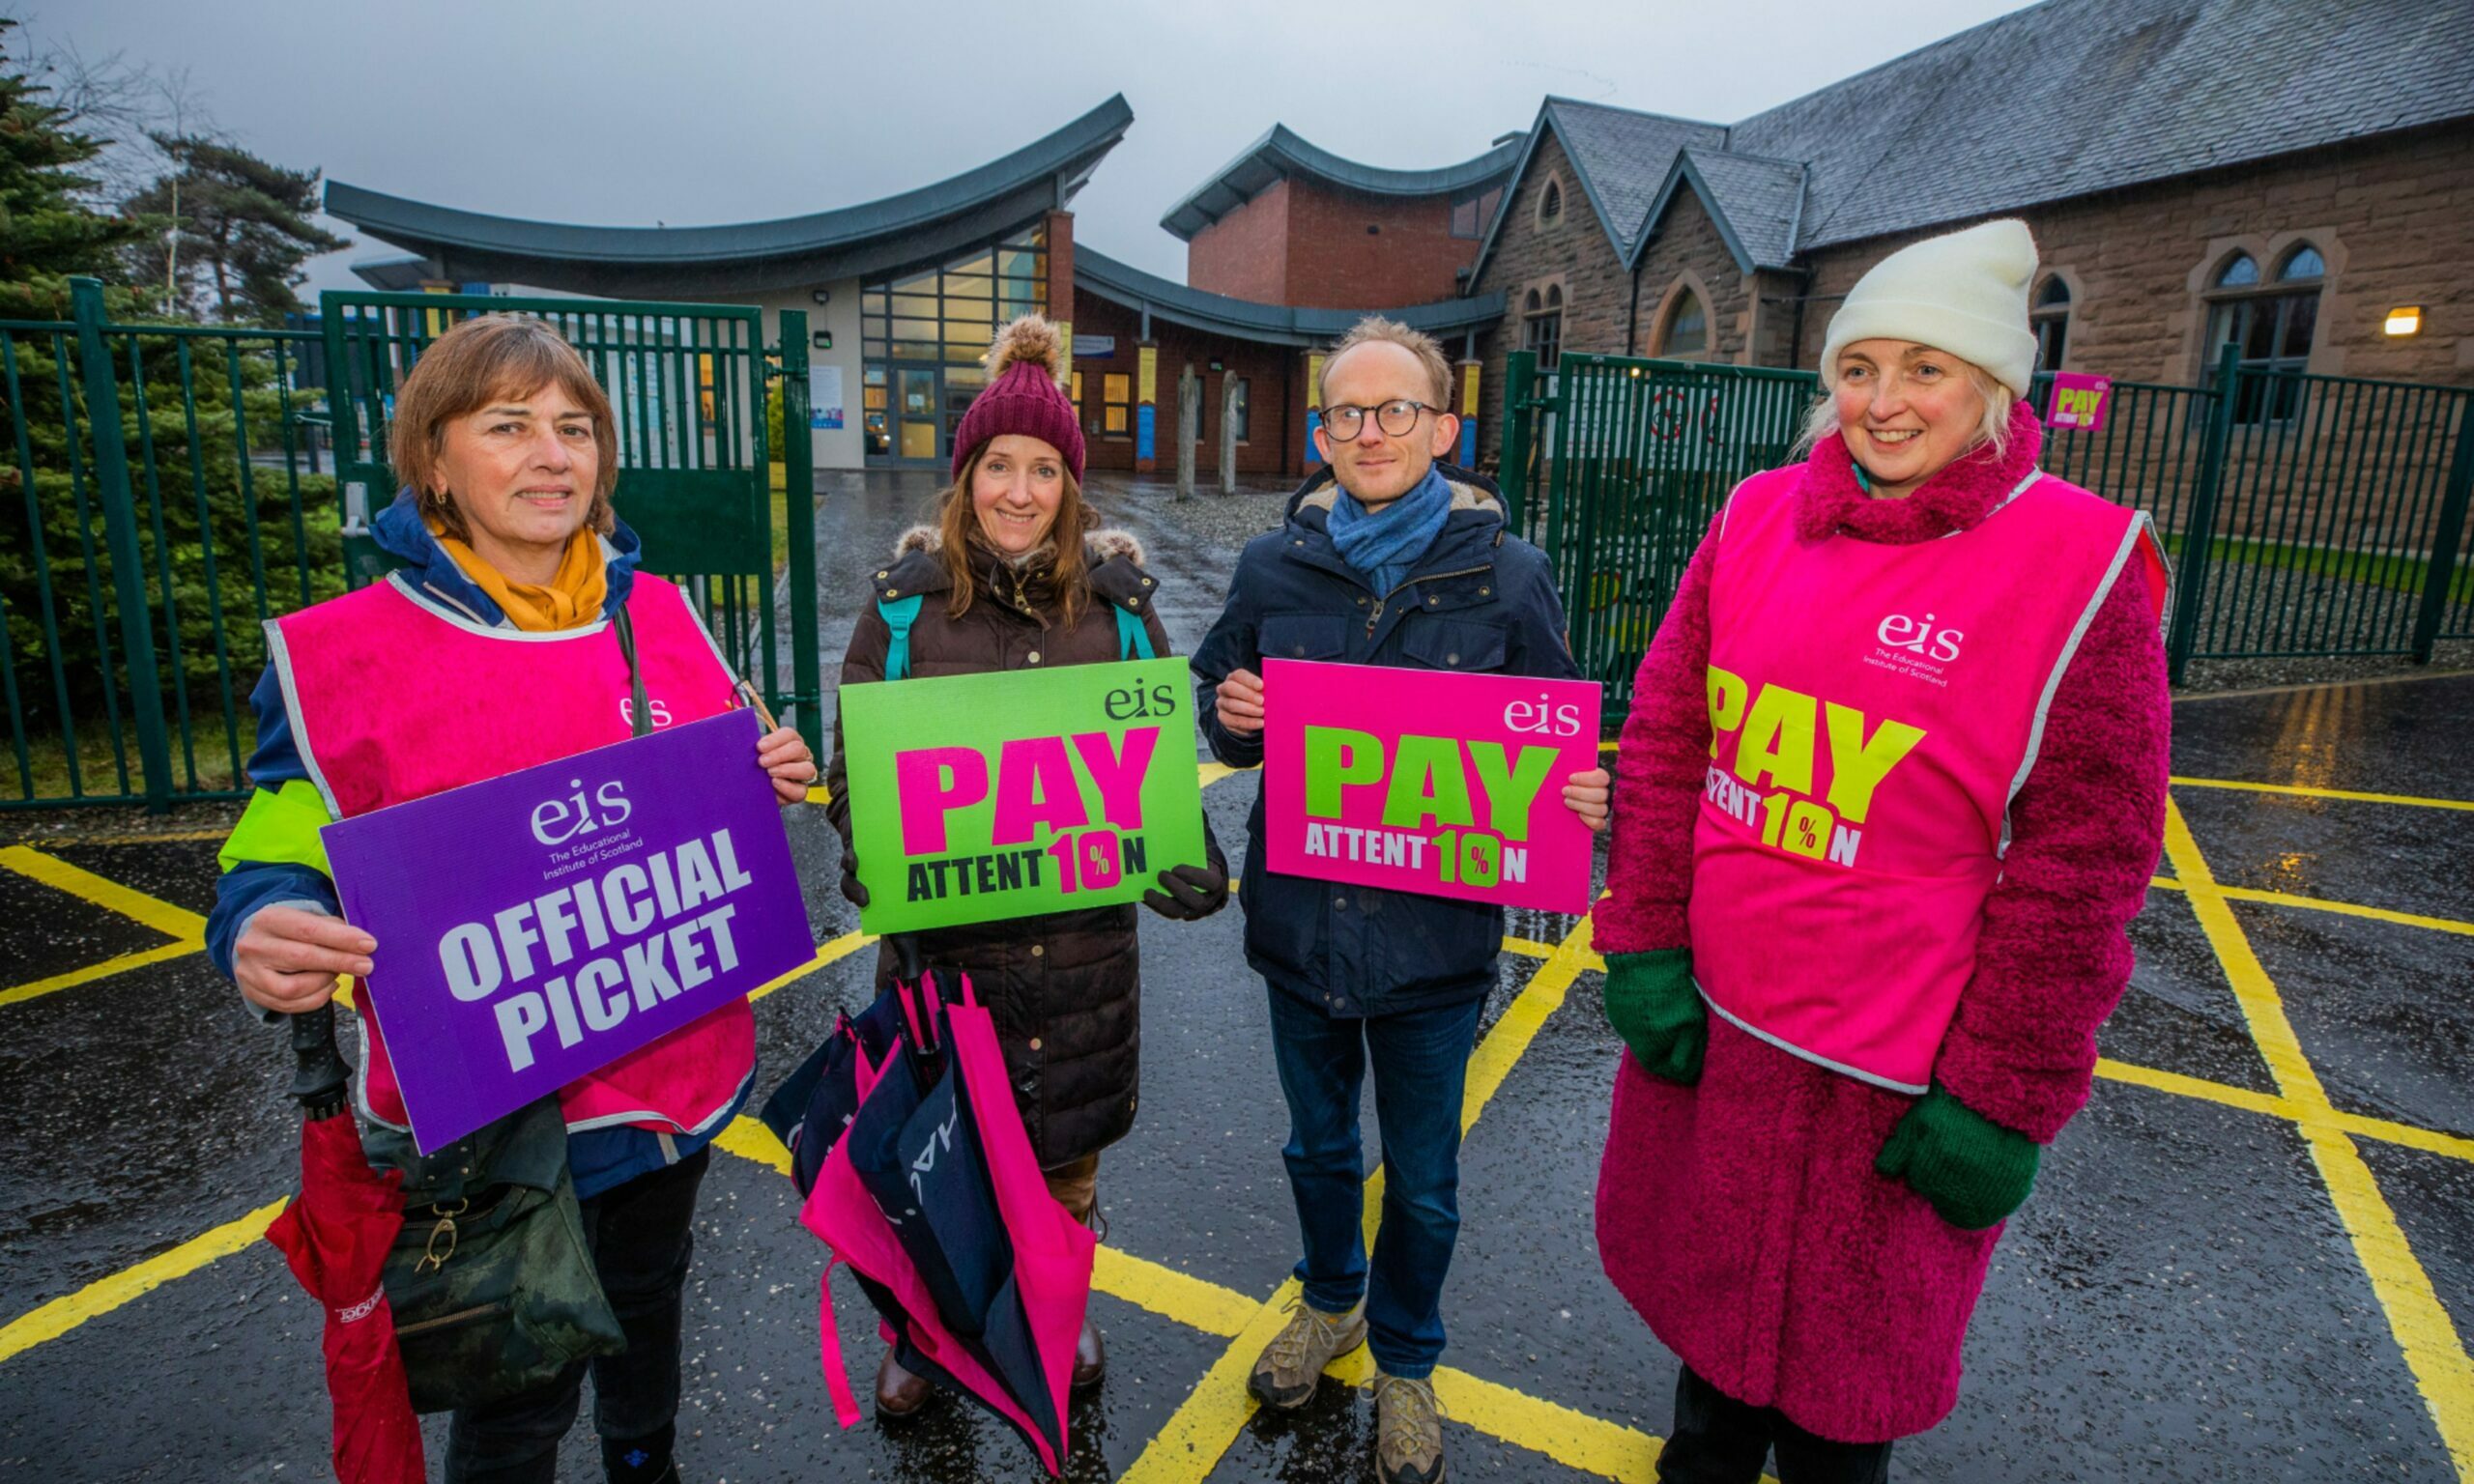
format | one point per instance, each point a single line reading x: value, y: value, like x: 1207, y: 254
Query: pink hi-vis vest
x: 1874, y: 708
x: 394, y: 696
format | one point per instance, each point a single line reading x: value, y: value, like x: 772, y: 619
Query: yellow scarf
x: 572, y: 599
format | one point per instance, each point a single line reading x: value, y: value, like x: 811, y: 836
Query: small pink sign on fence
x: 1427, y: 782
x: 2080, y: 401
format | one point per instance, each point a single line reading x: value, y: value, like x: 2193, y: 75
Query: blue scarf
x: 1385, y: 544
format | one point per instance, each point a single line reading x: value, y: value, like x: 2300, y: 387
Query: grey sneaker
x: 1286, y: 1372
x: 1408, y: 1431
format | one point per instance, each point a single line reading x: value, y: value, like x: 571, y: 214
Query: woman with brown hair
x: 505, y: 545
x: 1014, y: 575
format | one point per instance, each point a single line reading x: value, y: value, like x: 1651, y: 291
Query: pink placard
x: 2080, y: 401
x: 1429, y: 782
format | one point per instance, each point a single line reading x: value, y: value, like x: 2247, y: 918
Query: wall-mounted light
x: 2404, y: 320
x: 822, y: 295
x: 823, y: 339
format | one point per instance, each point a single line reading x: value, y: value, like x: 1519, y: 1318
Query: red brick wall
x: 1272, y: 441
x: 1244, y: 254
x: 1301, y: 243
x: 1410, y: 257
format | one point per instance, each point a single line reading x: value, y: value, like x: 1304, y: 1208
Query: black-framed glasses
x: 1396, y: 418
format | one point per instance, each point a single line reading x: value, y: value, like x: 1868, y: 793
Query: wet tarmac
x: 2251, y: 1258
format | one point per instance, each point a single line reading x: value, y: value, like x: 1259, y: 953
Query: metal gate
x: 687, y: 385
x: 2305, y: 515
x: 179, y: 484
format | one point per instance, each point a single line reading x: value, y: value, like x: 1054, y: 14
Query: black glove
x: 853, y: 891
x: 1190, y: 893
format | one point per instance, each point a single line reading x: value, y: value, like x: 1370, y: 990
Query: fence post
x: 119, y: 534
x: 798, y: 496
x: 1520, y: 372
x: 2444, y: 542
x: 2198, y: 533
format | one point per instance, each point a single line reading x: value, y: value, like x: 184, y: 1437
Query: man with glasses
x: 1387, y: 558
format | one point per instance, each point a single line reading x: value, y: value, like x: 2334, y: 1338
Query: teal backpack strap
x: 899, y: 615
x: 1134, y: 640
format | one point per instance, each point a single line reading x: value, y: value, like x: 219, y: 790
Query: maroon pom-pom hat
x: 1023, y: 396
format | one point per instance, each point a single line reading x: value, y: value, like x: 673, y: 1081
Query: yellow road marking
x: 2325, y: 793
x: 2324, y: 904
x: 102, y: 1296
x: 2408, y: 1136
x: 91, y: 972
x: 1210, y: 772
x: 152, y: 838
x: 832, y: 951
x: 171, y: 921
x: 2424, y: 1332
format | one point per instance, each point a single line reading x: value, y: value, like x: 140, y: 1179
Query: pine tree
x: 240, y: 222
x: 46, y: 230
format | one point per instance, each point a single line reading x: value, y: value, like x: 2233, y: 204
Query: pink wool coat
x: 1742, y: 1216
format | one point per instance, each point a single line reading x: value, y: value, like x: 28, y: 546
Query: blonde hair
x: 488, y: 358
x: 1992, y: 430
x: 1374, y: 328
x: 957, y: 522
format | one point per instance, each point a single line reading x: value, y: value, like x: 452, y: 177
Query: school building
x: 2291, y: 177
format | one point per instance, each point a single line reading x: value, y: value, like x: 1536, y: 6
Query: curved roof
x: 1244, y: 319
x: 1280, y: 154
x: 921, y: 225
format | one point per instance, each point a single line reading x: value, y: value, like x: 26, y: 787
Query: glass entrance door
x: 916, y: 430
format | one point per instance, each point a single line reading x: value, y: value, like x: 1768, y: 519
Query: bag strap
x: 828, y: 1334
x: 1134, y: 640
x: 640, y: 718
x: 899, y: 615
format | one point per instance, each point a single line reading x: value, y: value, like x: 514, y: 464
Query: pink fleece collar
x: 1828, y: 501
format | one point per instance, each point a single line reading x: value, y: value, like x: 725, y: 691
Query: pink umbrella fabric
x: 1052, y: 1253
x: 334, y: 1235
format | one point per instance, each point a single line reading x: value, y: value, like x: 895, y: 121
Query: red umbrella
x: 335, y: 1234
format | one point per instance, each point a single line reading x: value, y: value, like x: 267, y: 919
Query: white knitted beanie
x: 1965, y: 293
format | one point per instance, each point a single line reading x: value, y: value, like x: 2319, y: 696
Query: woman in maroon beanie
x: 1015, y: 575
x: 1892, y: 788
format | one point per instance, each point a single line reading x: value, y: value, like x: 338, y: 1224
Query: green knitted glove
x: 1974, y: 1171
x: 1651, y: 1004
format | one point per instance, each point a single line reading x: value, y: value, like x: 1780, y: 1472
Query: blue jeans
x: 1420, y: 1064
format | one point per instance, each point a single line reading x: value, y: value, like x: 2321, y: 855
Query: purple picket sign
x: 539, y: 926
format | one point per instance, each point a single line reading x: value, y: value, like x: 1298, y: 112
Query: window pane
x: 1688, y: 332
x: 2239, y: 273
x: 2299, y: 311
x: 2055, y: 292
x: 2259, y: 332
x: 1115, y: 386
x: 1115, y: 420
x: 2305, y: 261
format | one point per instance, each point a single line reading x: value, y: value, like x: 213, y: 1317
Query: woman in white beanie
x: 1892, y: 786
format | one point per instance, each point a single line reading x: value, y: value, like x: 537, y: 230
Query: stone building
x: 2295, y: 176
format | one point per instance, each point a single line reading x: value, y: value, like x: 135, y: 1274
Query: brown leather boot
x: 1090, y: 1357
x: 899, y: 1394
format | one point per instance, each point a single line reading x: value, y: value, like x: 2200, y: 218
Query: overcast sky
x: 628, y: 113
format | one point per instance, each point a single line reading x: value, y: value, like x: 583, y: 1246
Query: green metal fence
x: 2305, y: 515
x: 136, y: 570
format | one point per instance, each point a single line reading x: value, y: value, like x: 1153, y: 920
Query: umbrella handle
x: 319, y: 1073
x: 906, y: 956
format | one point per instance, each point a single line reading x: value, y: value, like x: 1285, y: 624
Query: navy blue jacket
x: 1482, y: 599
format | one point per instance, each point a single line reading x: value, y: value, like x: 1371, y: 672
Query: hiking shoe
x: 1408, y: 1431
x: 1286, y: 1373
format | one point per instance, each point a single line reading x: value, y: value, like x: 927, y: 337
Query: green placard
x: 980, y: 797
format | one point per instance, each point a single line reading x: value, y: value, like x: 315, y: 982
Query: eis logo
x: 1914, y: 647
x: 556, y: 821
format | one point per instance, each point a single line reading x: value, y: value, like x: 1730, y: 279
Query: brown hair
x: 957, y: 524
x: 484, y: 359
x: 1417, y: 342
